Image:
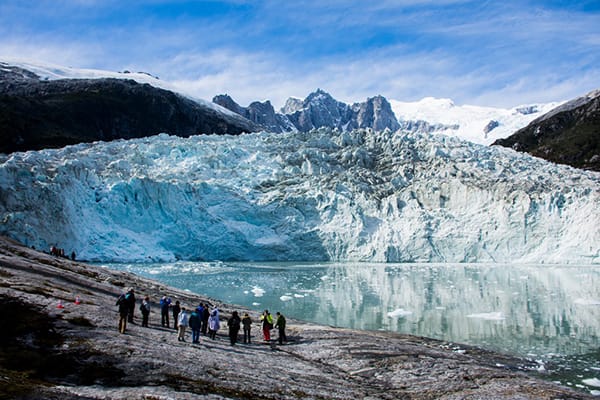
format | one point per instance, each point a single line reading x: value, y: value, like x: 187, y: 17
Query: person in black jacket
x: 145, y: 309
x: 123, y: 311
x: 205, y: 317
x: 176, y: 309
x: 280, y: 325
x: 131, y: 302
x: 233, y: 323
x: 247, y: 324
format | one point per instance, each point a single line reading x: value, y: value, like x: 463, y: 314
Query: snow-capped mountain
x: 477, y: 124
x: 52, y: 107
x: 321, y: 195
x: 52, y: 72
x: 319, y: 109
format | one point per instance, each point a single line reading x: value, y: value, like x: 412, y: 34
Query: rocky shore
x: 76, y: 352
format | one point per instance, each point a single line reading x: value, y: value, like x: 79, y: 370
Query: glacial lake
x: 546, y: 313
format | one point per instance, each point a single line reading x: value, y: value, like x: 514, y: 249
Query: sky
x: 487, y: 53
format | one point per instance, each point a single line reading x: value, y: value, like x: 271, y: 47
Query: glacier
x: 324, y: 195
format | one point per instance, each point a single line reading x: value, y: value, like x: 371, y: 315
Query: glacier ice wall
x: 322, y: 195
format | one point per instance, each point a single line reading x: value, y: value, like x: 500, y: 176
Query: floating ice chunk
x: 324, y: 277
x: 587, y: 302
x: 285, y: 298
x: 256, y: 304
x: 592, y: 382
x: 595, y: 392
x: 399, y: 313
x: 298, y: 296
x: 492, y: 316
x: 258, y: 292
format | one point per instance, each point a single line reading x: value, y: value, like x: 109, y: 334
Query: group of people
x: 201, y: 320
x: 59, y: 252
x: 267, y: 324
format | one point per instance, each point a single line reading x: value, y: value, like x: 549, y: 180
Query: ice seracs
x: 321, y: 195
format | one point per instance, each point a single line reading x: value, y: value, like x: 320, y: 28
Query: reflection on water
x: 540, y: 312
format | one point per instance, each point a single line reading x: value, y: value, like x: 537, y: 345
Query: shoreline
x: 76, y: 352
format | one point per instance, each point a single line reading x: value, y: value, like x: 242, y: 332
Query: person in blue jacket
x: 195, y: 322
x: 165, y: 302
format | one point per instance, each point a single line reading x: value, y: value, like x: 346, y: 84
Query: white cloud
x: 496, y: 55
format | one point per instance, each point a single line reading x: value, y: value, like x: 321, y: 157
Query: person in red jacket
x: 267, y: 325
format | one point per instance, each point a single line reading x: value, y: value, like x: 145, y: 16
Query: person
x: 280, y: 325
x: 247, y: 323
x: 165, y: 302
x: 205, y: 316
x: 123, y: 311
x: 213, y: 324
x: 195, y: 322
x: 234, y: 327
x: 145, y: 310
x: 131, y: 302
x: 176, y: 309
x: 182, y: 322
x: 267, y: 325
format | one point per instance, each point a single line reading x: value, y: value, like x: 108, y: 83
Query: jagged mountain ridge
x: 318, y: 110
x: 37, y: 113
x: 569, y: 134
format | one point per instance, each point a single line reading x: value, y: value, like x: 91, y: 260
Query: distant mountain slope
x: 569, y: 134
x: 477, y: 124
x: 37, y: 113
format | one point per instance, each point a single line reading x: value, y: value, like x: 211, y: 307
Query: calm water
x: 546, y: 313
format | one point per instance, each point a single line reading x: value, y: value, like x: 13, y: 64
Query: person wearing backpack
x: 234, y: 323
x: 123, y: 311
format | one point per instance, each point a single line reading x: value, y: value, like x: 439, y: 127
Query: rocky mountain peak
x: 375, y: 113
x: 319, y: 109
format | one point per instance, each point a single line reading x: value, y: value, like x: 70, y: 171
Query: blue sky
x: 492, y: 53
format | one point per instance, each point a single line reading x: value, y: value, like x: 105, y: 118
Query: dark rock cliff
x: 569, y: 134
x: 37, y: 114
